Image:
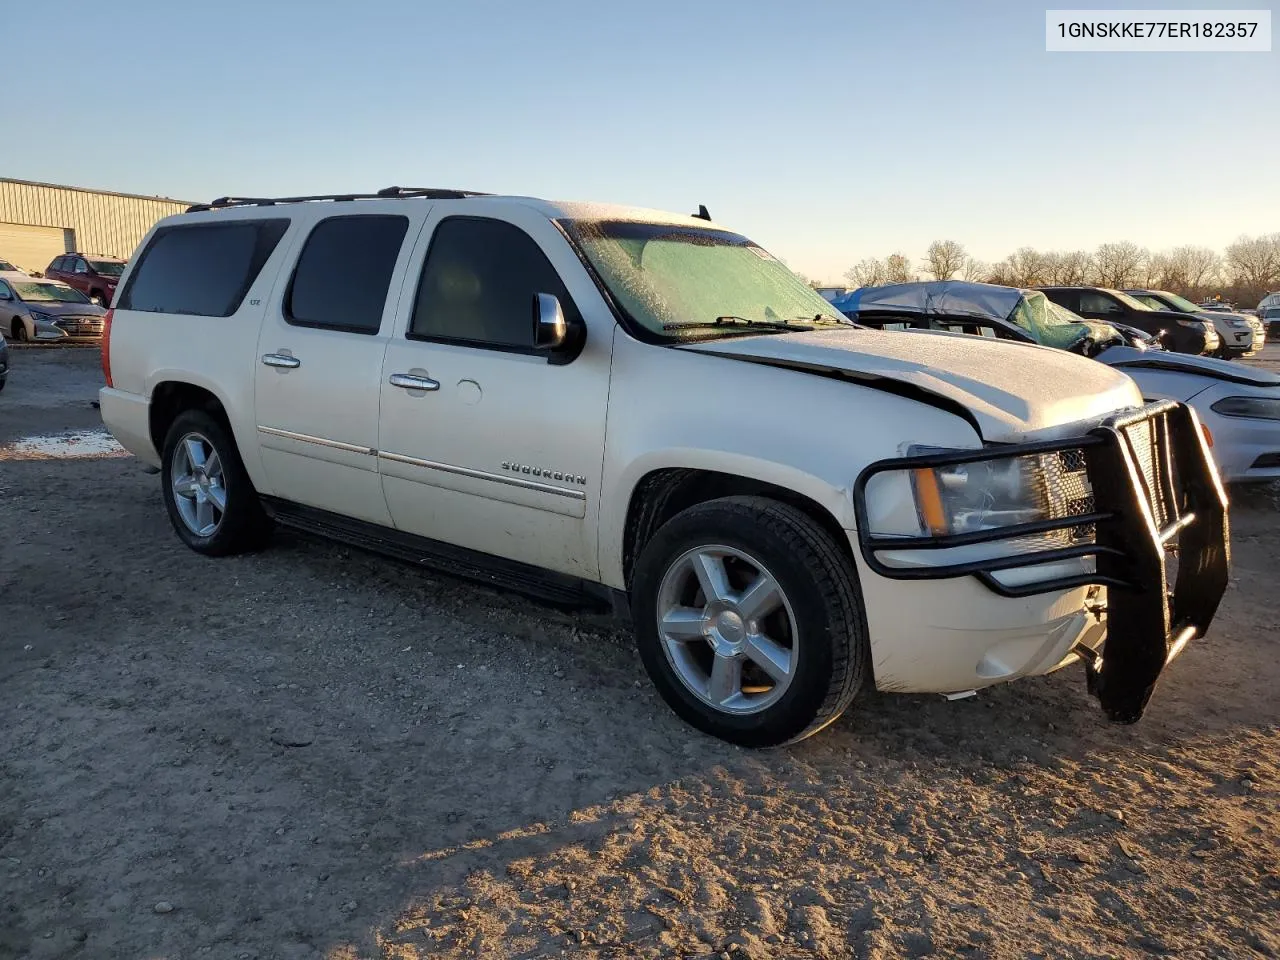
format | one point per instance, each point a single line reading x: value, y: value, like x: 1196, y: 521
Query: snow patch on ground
x: 79, y: 445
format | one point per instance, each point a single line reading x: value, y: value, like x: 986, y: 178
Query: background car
x: 7, y: 267
x: 44, y: 310
x: 1238, y: 405
x: 1241, y: 335
x: 1271, y: 319
x: 94, y: 276
x: 1177, y: 331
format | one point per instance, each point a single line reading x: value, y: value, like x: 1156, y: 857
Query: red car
x: 96, y: 277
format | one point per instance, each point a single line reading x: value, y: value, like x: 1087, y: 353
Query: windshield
x: 1147, y: 300
x: 6, y: 265
x: 107, y: 268
x: 1177, y: 303
x: 672, y: 277
x: 1271, y: 313
x: 1128, y: 300
x: 48, y: 293
x: 1050, y: 324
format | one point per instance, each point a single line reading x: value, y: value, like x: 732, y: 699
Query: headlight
x: 967, y: 497
x: 1257, y: 408
x: 986, y: 494
x: 41, y: 317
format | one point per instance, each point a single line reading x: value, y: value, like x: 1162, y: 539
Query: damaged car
x: 601, y: 404
x: 1238, y: 406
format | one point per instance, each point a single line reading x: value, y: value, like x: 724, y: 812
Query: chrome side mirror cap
x: 550, y: 331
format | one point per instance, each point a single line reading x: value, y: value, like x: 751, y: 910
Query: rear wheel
x: 749, y: 621
x: 210, y: 499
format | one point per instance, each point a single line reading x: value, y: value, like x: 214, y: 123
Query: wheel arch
x: 662, y: 492
x: 172, y: 397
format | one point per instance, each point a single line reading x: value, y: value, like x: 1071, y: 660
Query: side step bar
x: 553, y: 588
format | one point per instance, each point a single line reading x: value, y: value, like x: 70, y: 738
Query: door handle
x: 409, y: 382
x: 280, y: 360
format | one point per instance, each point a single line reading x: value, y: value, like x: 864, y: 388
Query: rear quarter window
x: 202, y: 269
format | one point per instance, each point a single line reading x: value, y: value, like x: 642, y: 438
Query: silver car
x: 35, y: 310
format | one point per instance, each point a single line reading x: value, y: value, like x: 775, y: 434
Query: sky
x: 825, y: 131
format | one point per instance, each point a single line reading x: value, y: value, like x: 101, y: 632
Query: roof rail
x: 429, y: 193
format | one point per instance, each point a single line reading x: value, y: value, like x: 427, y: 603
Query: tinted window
x: 79, y: 267
x: 478, y: 284
x: 1091, y: 302
x: 57, y: 263
x: 5, y: 292
x: 201, y: 269
x: 344, y: 271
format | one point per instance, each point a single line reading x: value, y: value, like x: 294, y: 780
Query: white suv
x: 601, y: 404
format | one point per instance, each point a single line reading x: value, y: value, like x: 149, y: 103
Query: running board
x: 545, y: 585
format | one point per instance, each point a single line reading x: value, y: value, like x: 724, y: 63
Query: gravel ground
x: 315, y: 753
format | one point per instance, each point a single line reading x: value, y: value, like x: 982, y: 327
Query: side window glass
x: 202, y: 269
x: 478, y: 285
x: 344, y: 272
x: 1091, y: 302
x: 81, y: 267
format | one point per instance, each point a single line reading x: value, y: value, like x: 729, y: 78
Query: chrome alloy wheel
x: 727, y: 629
x: 198, y: 487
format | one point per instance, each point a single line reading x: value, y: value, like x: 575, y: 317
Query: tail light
x: 106, y: 346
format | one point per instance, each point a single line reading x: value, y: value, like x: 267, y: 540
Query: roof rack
x: 428, y: 193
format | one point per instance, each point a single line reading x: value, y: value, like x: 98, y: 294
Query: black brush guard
x: 1155, y: 492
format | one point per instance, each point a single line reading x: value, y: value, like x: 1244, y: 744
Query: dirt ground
x: 316, y: 753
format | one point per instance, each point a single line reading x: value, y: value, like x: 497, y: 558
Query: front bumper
x: 1154, y: 491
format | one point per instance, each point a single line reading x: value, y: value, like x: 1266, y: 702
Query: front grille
x: 1068, y: 492
x: 1148, y: 441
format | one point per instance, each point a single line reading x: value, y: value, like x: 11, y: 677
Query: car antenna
x: 702, y: 212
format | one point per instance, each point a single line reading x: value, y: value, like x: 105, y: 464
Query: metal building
x: 39, y: 221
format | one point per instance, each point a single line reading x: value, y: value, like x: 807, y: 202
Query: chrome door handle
x: 409, y: 382
x: 280, y: 360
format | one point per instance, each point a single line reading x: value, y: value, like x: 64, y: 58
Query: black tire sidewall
x: 243, y: 523
x: 796, y: 710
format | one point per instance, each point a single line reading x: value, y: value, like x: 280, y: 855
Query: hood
x: 1012, y: 391
x: 65, y: 309
x: 1127, y: 358
x: 1217, y: 315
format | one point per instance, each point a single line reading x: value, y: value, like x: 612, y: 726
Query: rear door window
x: 344, y: 272
x: 202, y: 269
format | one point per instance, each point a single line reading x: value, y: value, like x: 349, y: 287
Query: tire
x: 99, y: 299
x: 240, y: 525
x: 20, y: 331
x: 818, y: 622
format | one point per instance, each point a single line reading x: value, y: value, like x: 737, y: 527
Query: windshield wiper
x: 828, y: 318
x: 729, y: 321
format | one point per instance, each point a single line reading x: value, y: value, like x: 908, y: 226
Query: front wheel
x: 207, y: 492
x: 749, y: 621
x: 98, y: 299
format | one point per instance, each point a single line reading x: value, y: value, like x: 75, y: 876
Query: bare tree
x: 975, y: 270
x: 1025, y: 267
x: 1068, y: 268
x: 897, y: 268
x: 866, y: 273
x: 944, y: 259
x: 1254, y: 262
x: 1118, y: 264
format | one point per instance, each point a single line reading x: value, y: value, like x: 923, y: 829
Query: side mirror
x: 550, y: 331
